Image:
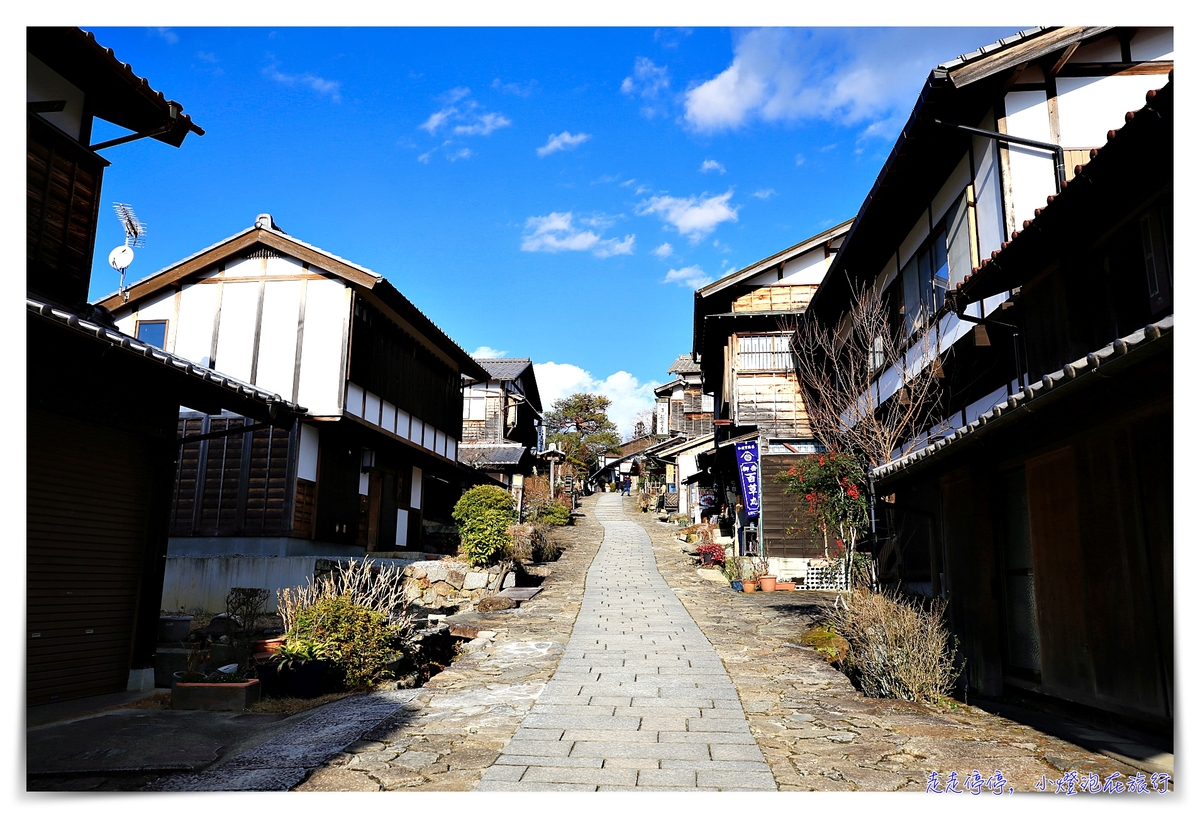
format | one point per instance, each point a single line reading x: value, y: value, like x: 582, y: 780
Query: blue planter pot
x: 736, y: 585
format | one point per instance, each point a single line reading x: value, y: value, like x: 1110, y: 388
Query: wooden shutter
x: 87, y: 526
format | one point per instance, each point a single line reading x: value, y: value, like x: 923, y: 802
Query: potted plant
x: 710, y: 554
x: 302, y: 666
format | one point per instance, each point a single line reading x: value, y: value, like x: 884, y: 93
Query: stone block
x: 579, y: 775
x: 494, y: 603
x: 666, y: 778
x: 474, y: 580
x: 456, y: 578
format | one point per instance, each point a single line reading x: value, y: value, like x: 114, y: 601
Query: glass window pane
x: 153, y: 333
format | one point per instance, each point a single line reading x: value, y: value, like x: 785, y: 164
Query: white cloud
x: 663, y: 250
x: 331, y: 88
x: 563, y: 142
x: 515, y: 88
x: 691, y: 276
x: 628, y: 395
x: 462, y: 153
x: 484, y: 125
x: 557, y: 232
x: 648, y: 81
x: 711, y: 164
x: 465, y: 114
x: 695, y: 216
x: 167, y: 34
x: 764, y: 194
x: 856, y: 77
x: 799, y: 159
x: 489, y: 352
x: 207, y: 56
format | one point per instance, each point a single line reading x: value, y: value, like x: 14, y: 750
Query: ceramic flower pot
x: 749, y: 585
x: 766, y: 584
x: 785, y: 586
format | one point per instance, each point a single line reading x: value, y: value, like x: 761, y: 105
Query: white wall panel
x: 243, y: 268
x: 310, y: 445
x: 235, y: 338
x: 371, y: 408
x: 1031, y: 170
x: 414, y: 497
x: 197, y: 312
x: 1153, y: 44
x: 285, y: 266
x: 1107, y: 49
x: 915, y: 236
x: 125, y: 324
x: 1089, y: 107
x: 354, y: 399
x: 807, y: 268
x: 403, y: 424
x: 321, y: 376
x: 160, y: 308
x: 955, y: 184
x: 989, y: 214
x: 388, y: 417
x: 439, y: 444
x: 451, y: 448
x: 277, y: 338
x: 402, y: 527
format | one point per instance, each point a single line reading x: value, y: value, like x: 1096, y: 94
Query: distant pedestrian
x: 625, y: 485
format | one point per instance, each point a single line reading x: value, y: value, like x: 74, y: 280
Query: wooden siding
x: 389, y: 362
x: 232, y: 485
x: 62, y: 204
x: 777, y: 298
x: 786, y: 530
x: 86, y: 547
x: 772, y: 402
x: 305, y: 508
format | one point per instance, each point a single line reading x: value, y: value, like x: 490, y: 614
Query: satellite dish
x: 121, y: 258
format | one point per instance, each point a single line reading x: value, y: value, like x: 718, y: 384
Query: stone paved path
x: 640, y: 699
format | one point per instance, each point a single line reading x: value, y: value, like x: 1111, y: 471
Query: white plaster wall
x: 915, y: 236
x: 402, y: 527
x: 388, y: 417
x: 235, y: 337
x: 1089, y: 107
x: 414, y: 497
x: 197, y: 313
x: 326, y: 310
x: 371, y: 409
x: 955, y: 184
x: 277, y: 339
x: 243, y: 268
x: 989, y: 214
x: 807, y: 268
x: 354, y: 400
x: 1153, y: 44
x: 1107, y: 49
x: 43, y: 85
x: 1031, y: 171
x: 403, y: 423
x: 285, y: 266
x: 310, y: 445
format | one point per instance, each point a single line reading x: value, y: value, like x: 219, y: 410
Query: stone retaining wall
x: 450, y: 583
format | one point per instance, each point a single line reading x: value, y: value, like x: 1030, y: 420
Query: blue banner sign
x: 747, y: 460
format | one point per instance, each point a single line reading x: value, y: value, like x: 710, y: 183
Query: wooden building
x: 374, y: 467
x: 742, y: 328
x: 502, y: 422
x: 1038, y: 504
x: 102, y: 405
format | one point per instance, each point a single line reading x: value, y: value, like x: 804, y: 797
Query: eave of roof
x: 684, y: 365
x: 115, y: 93
x: 275, y: 405
x: 1059, y: 383
x: 505, y: 369
x: 778, y: 258
x: 1121, y: 155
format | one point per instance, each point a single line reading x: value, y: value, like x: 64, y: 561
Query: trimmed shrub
x: 356, y: 640
x: 555, y: 514
x: 897, y: 649
x: 484, y: 515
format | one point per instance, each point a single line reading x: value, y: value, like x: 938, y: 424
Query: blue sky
x: 552, y: 193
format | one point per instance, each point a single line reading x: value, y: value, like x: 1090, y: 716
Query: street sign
x: 747, y: 460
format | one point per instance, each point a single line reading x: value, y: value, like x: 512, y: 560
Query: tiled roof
x: 505, y: 369
x: 1158, y: 102
x: 133, y: 345
x: 684, y: 364
x: 983, y: 51
x: 1090, y: 366
x: 483, y: 456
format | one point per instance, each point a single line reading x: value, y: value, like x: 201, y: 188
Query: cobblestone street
x: 572, y: 693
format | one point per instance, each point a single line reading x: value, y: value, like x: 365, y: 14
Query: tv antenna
x: 135, y: 236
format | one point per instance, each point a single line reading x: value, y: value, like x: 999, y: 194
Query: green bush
x: 484, y: 515
x: 555, y: 514
x: 357, y: 641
